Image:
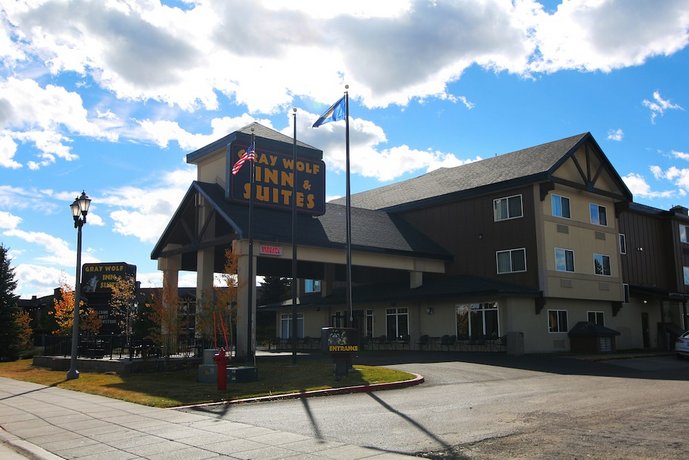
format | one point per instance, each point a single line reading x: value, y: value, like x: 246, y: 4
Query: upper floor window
x: 511, y: 260
x: 564, y: 260
x: 684, y: 233
x: 685, y: 271
x: 560, y: 205
x: 623, y: 243
x: 311, y: 286
x: 601, y: 264
x: 598, y: 214
x: 508, y: 208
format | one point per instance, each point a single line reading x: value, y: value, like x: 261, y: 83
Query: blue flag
x: 334, y: 113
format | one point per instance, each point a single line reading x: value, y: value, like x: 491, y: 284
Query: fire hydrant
x: 220, y: 359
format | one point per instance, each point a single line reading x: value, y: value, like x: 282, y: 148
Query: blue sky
x: 109, y: 97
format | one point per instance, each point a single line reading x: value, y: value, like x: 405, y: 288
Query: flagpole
x: 348, y: 211
x: 250, y: 345
x: 294, y: 233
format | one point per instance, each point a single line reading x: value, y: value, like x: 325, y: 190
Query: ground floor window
x: 397, y: 323
x: 369, y: 323
x: 286, y: 325
x: 557, y: 320
x: 478, y: 320
x: 596, y: 317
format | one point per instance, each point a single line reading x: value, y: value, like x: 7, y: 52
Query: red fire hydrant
x: 220, y: 359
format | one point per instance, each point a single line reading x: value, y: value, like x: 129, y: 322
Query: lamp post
x: 80, y: 207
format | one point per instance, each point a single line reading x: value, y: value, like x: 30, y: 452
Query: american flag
x: 250, y: 155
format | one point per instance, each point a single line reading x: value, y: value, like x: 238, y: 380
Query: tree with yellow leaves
x: 63, y: 313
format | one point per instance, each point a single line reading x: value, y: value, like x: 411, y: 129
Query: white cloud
x: 658, y: 105
x: 615, y: 134
x: 608, y: 34
x: 640, y: 188
x: 680, y: 155
x: 9, y: 221
x: 154, y: 205
x: 40, y: 280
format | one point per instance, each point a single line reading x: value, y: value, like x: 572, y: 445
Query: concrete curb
x: 417, y: 380
x: 25, y: 448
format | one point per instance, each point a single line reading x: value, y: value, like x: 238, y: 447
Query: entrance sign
x: 268, y: 250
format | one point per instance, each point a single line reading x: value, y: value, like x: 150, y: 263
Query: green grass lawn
x: 179, y: 388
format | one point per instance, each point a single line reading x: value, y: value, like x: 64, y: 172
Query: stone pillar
x: 245, y: 342
x: 170, y: 267
x: 204, y: 292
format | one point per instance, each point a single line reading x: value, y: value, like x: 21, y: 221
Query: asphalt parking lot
x: 500, y: 406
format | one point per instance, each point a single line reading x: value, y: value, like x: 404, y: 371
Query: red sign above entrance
x: 267, y: 250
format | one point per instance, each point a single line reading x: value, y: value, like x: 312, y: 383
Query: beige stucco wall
x: 585, y: 240
x: 213, y: 168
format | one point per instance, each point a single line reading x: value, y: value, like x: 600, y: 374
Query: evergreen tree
x: 9, y: 310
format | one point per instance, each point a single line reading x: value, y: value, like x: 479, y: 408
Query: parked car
x: 682, y: 345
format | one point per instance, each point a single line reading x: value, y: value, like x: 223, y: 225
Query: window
x: 508, y: 208
x: 623, y: 243
x: 596, y: 317
x: 684, y: 233
x: 601, y: 264
x: 397, y: 322
x: 286, y: 325
x: 686, y: 275
x: 564, y: 260
x: 557, y: 320
x: 512, y: 260
x: 625, y: 288
x: 478, y: 320
x: 560, y: 205
x: 369, y: 323
x: 311, y: 286
x: 598, y: 215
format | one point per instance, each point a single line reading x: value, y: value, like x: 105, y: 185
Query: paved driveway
x: 490, y: 406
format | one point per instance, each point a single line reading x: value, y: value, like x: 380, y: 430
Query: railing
x: 117, y: 346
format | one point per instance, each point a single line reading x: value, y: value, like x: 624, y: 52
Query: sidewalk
x: 51, y: 423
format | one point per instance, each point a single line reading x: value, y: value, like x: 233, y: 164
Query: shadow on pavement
x: 624, y: 365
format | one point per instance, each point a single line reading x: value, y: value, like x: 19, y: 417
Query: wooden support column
x: 245, y: 343
x: 170, y: 267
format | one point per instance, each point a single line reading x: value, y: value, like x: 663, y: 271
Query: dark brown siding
x: 467, y: 229
x: 649, y: 260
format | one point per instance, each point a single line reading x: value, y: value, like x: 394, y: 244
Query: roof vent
x: 677, y: 209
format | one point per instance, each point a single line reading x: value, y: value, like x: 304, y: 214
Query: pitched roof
x: 519, y: 167
x: 372, y: 231
x: 261, y: 132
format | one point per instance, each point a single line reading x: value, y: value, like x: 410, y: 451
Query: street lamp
x: 80, y: 207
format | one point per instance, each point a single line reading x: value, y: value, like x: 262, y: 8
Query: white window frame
x: 496, y: 207
x: 397, y: 312
x: 622, y: 240
x: 509, y: 251
x: 564, y: 254
x: 602, y: 264
x: 625, y: 290
x: 312, y: 286
x: 478, y: 308
x: 369, y: 330
x: 287, y: 318
x: 560, y: 198
x: 683, y: 233
x: 596, y: 315
x: 558, y: 313
x: 597, y: 219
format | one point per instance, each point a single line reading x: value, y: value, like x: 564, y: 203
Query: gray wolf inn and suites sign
x: 274, y: 181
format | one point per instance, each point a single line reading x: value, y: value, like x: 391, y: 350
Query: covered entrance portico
x: 209, y: 222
